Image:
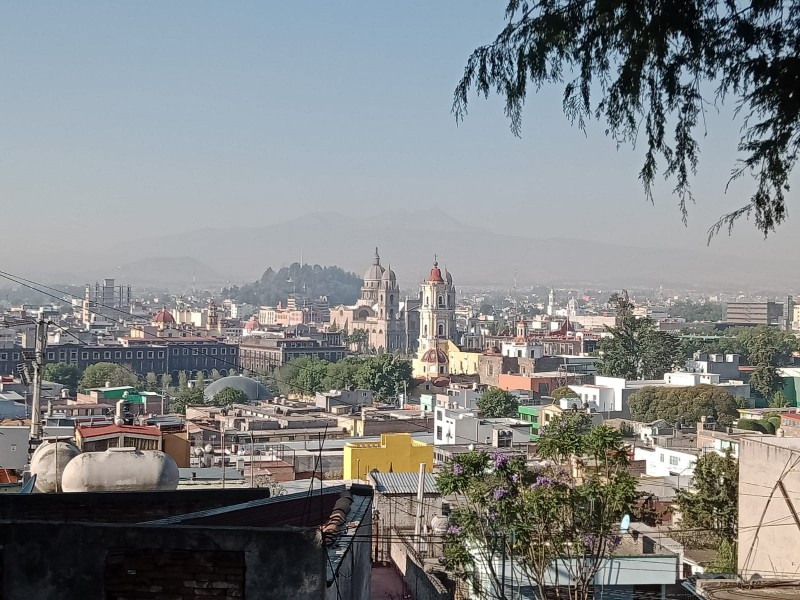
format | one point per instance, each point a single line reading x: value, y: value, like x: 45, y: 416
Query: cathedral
x: 377, y: 311
x: 412, y: 325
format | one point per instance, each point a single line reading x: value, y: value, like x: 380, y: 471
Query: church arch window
x: 381, y: 297
x: 440, y: 301
x: 391, y: 313
x: 391, y: 298
x: 441, y: 329
x: 425, y: 330
x: 427, y: 300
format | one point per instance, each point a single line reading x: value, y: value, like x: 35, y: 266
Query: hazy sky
x: 154, y: 117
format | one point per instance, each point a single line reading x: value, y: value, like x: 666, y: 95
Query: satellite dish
x: 625, y: 524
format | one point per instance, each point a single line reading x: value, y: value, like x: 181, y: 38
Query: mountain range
x: 409, y: 241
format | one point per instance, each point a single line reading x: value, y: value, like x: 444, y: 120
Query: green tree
x: 215, y: 375
x: 750, y: 425
x: 229, y: 396
x: 183, y: 380
x: 688, y: 403
x: 98, y: 374
x: 649, y: 72
x: 563, y: 392
x: 151, y: 381
x: 343, y: 373
x: 358, y: 338
x: 166, y: 381
x: 386, y: 375
x: 710, y: 510
x: 200, y: 381
x: 635, y: 348
x: 538, y: 517
x: 779, y: 400
x: 495, y: 403
x: 304, y: 375
x: 62, y: 373
x: 186, y: 397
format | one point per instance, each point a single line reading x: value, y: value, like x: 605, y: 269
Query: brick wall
x: 178, y: 574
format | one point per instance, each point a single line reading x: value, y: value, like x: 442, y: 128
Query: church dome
x: 389, y: 276
x: 436, y: 274
x: 434, y: 356
x: 163, y: 316
x: 447, y: 277
x: 376, y: 271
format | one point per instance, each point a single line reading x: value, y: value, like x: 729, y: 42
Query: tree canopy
x: 385, y: 374
x: 563, y: 392
x: 650, y: 70
x: 339, y: 286
x: 228, y: 396
x: 690, y: 403
x: 539, y: 516
x: 63, y: 373
x: 495, y: 403
x: 98, y: 374
x: 636, y: 349
x: 710, y: 510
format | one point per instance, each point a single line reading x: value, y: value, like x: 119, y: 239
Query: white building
x: 459, y: 426
x: 437, y: 311
x: 662, y: 461
x: 522, y: 348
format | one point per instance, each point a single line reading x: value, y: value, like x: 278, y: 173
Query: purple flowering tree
x: 566, y: 514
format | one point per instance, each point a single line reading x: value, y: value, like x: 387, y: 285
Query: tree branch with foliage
x: 643, y: 69
x: 539, y: 518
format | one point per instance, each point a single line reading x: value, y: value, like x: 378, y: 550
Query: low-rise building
x: 395, y: 452
x: 458, y: 426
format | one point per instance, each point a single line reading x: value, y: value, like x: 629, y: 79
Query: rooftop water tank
x: 48, y: 463
x: 121, y: 470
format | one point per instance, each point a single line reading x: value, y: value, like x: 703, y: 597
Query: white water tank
x: 48, y: 463
x: 121, y: 470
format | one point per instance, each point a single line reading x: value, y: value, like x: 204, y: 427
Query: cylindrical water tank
x: 48, y: 463
x: 121, y: 470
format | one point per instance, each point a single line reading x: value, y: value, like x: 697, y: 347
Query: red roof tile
x: 87, y: 431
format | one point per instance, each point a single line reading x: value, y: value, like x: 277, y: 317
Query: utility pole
x: 38, y: 372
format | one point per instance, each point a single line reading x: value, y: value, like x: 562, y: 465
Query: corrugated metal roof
x: 403, y: 483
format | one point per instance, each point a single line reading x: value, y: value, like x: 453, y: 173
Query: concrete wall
x: 14, y: 446
x: 768, y: 536
x: 422, y: 585
x: 119, y: 507
x: 81, y: 561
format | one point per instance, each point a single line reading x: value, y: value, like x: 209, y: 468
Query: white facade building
x: 459, y: 426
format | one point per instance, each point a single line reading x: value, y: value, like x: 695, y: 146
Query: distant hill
x: 408, y: 241
x: 313, y: 281
x: 167, y: 271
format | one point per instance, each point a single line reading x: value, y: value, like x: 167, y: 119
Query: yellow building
x: 446, y: 359
x: 397, y: 452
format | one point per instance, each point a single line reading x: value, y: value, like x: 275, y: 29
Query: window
x: 160, y: 354
x: 85, y: 355
x: 223, y: 351
x: 185, y: 351
x: 233, y: 351
x: 3, y: 355
x: 440, y: 301
x: 107, y: 354
x: 674, y: 461
x: 150, y: 354
x: 213, y: 351
x: 129, y: 354
x: 661, y: 457
x: 175, y: 351
x: 62, y: 355
x: 194, y: 352
x: 51, y: 356
x: 95, y: 355
x: 439, y: 432
x: 441, y: 329
x: 117, y: 354
x: 73, y: 355
x: 140, y: 354
x: 15, y: 356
